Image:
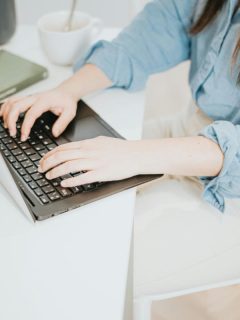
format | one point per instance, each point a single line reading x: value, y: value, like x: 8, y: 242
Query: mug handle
x: 97, y: 27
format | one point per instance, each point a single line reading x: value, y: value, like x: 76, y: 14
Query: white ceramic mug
x: 64, y: 48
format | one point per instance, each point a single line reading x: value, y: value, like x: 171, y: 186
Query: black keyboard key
x: 33, y: 142
x: 7, y: 153
x: 31, y: 169
x: 37, y: 176
x: 11, y: 159
x: 1, y: 128
x: 48, y: 189
x: 35, y: 157
x: 33, y: 185
x: 77, y: 189
x: 30, y: 151
x: 43, y: 152
x: 25, y: 145
x: 36, y: 163
x: 98, y: 184
x: 21, y: 171
x: 44, y: 199
x: 16, y: 165
x: 2, y: 147
x: 3, y: 135
x: 27, y: 164
x: 40, y: 135
x: 54, y: 196
x: 17, y: 139
x: 7, y: 140
x: 47, y: 128
x: 89, y: 187
x: 64, y: 192
x: 12, y: 146
x: 56, y: 182
x: 39, y: 147
x: 42, y: 182
x: 17, y: 152
x: 38, y: 192
x: 51, y: 146
x: 27, y: 178
x: 75, y: 174
x: 66, y: 176
x: 21, y: 157
x: 46, y: 141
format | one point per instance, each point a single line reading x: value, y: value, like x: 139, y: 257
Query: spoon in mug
x: 68, y: 26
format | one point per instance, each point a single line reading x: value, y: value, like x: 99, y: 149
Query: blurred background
x: 116, y: 13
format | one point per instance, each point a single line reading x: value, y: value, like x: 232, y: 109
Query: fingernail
x: 23, y: 138
x: 64, y: 184
x: 48, y: 176
x: 40, y: 169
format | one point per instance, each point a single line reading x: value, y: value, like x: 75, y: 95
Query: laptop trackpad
x: 86, y: 128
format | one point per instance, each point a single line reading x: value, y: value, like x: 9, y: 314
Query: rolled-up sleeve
x: 155, y: 41
x: 227, y: 183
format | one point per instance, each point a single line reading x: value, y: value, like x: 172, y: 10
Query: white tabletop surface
x: 73, y: 266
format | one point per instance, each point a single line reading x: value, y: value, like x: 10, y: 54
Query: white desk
x: 73, y: 266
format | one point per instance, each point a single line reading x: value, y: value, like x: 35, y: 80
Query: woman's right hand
x: 62, y: 101
x: 59, y: 102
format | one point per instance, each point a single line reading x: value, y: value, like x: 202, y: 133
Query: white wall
x: 137, y: 5
x: 113, y: 12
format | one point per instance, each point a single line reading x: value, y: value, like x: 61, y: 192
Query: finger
x: 85, y: 178
x: 4, y: 115
x: 7, y: 102
x: 62, y: 122
x: 5, y: 111
x: 68, y: 167
x: 3, y: 103
x: 7, y: 106
x: 31, y: 116
x: 58, y: 158
x: 3, y: 106
x: 63, y: 147
x: 14, y: 112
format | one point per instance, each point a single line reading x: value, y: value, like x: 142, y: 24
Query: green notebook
x: 17, y: 73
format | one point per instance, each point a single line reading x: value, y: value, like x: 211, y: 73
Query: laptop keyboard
x: 24, y: 157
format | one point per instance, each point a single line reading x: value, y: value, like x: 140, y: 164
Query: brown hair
x: 209, y: 14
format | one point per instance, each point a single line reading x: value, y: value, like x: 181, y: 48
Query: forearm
x: 191, y: 156
x: 85, y: 81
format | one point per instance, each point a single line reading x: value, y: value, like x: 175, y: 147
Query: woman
x: 164, y: 34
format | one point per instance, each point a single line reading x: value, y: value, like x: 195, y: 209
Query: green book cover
x: 17, y: 73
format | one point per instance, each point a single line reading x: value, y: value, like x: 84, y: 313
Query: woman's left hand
x: 102, y: 159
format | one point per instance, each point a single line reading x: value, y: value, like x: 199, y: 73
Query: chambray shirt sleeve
x: 155, y: 41
x: 227, y: 183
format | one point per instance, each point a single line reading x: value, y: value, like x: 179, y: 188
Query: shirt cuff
x: 227, y: 183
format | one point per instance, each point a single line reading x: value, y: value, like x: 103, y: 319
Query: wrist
x: 148, y: 157
x: 142, y: 156
x: 85, y: 81
x: 69, y: 90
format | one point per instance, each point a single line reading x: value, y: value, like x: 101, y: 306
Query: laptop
x: 38, y: 197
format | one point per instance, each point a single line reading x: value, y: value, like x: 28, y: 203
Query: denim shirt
x: 159, y: 39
